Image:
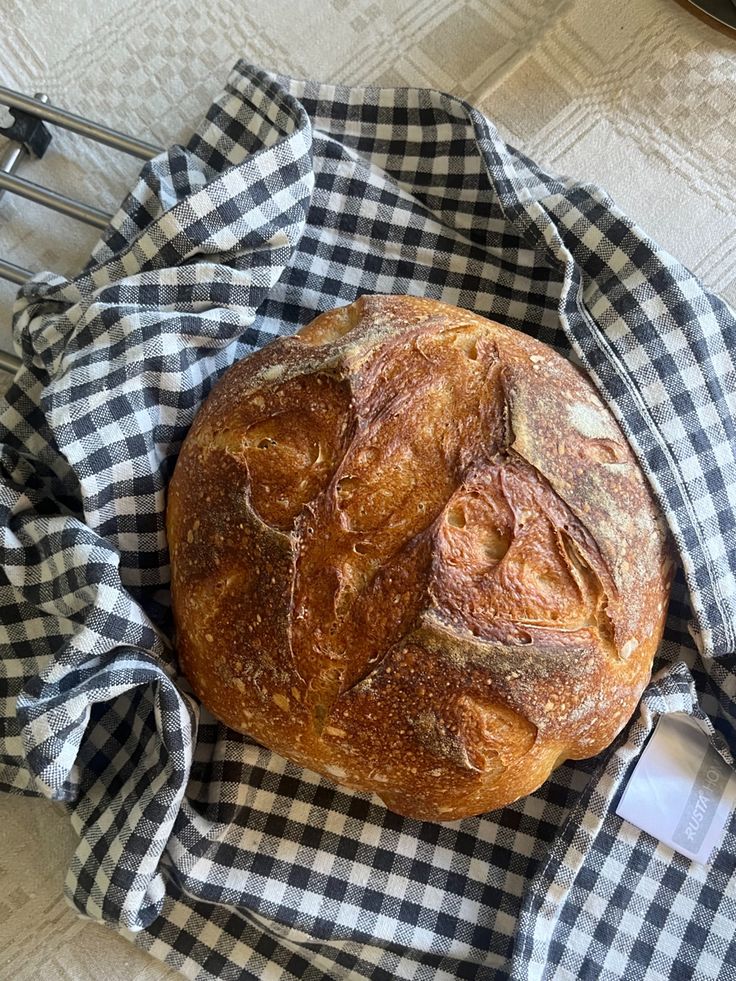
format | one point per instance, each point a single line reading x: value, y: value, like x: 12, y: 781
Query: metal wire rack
x: 27, y: 138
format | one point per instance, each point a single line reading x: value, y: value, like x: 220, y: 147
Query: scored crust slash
x: 412, y: 550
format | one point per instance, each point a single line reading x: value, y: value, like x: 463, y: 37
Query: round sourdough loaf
x: 412, y: 550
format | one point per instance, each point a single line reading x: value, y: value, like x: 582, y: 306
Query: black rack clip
x: 30, y: 131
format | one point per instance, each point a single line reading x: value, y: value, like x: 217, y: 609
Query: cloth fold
x: 221, y: 858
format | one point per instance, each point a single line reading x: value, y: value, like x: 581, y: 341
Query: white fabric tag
x: 681, y: 791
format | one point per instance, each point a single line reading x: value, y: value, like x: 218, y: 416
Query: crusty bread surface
x: 412, y: 551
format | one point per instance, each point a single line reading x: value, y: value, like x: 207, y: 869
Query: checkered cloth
x: 220, y: 858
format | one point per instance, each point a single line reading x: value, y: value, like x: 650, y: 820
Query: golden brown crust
x: 412, y: 550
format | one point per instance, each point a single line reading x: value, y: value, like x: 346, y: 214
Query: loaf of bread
x: 412, y: 551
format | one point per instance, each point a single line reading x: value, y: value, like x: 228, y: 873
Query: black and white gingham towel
x: 215, y: 855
